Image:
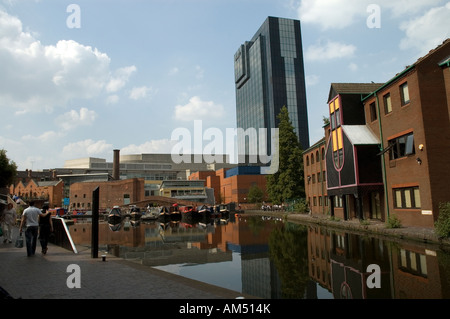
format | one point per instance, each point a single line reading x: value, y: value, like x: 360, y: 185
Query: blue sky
x: 134, y: 71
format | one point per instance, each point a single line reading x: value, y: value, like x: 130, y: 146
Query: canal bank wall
x: 368, y: 227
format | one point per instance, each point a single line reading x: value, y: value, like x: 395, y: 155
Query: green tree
x: 288, y: 182
x: 255, y: 194
x: 8, y: 170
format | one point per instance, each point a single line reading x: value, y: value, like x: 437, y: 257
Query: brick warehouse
x: 111, y: 193
x: 387, y: 147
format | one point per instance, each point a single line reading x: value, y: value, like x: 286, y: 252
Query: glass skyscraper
x: 269, y: 74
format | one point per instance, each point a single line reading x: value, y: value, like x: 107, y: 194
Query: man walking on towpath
x: 30, y: 218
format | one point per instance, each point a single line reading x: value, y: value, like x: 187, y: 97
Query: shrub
x: 393, y: 222
x: 442, y: 225
x: 301, y: 206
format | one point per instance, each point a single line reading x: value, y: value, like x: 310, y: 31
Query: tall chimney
x: 116, y: 165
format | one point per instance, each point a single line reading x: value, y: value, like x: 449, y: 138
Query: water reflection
x: 272, y: 259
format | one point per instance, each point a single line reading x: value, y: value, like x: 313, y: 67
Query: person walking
x: 45, y: 228
x: 30, y: 218
x: 8, y: 221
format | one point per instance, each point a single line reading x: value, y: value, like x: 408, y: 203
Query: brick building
x: 352, y: 166
x: 40, y: 192
x: 111, y: 193
x: 315, y: 177
x: 233, y: 185
x: 410, y: 115
x: 387, y: 147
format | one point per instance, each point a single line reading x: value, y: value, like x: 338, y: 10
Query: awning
x: 360, y: 135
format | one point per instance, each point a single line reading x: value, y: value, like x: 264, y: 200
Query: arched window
x: 307, y: 160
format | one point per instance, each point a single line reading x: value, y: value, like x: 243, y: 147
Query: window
x: 387, y: 103
x: 413, y: 263
x: 401, y: 146
x: 373, y: 111
x: 404, y: 93
x: 408, y: 197
x: 337, y: 201
x: 338, y: 118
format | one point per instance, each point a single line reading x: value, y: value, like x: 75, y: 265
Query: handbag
x: 19, y: 241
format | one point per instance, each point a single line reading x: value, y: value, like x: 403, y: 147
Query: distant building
x: 40, y: 192
x: 191, y: 190
x: 233, y: 185
x: 111, y: 193
x: 154, y: 169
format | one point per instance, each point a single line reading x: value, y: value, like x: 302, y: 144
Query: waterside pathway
x: 370, y: 227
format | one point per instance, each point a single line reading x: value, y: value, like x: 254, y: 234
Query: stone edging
x: 418, y: 234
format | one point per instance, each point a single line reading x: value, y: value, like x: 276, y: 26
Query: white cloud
x: 112, y: 99
x: 73, y: 119
x: 328, y: 51
x: 153, y: 146
x: 38, y: 77
x: 43, y: 138
x: 328, y: 14
x: 87, y: 148
x: 120, y: 78
x: 138, y: 93
x: 197, y: 109
x: 339, y: 14
x: 427, y: 31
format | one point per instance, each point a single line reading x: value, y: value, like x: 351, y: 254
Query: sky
x: 81, y: 78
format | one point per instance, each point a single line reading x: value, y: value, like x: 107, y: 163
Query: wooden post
x: 95, y: 212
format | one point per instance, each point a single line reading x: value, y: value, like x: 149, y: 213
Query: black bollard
x: 94, y: 239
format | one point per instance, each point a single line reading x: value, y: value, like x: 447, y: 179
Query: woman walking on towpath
x: 45, y: 228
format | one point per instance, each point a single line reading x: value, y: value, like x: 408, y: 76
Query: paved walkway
x: 46, y: 276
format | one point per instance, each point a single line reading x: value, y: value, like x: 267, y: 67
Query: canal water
x: 273, y: 259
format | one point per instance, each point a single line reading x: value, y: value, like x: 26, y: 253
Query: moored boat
x: 115, y: 215
x: 135, y: 212
x: 175, y: 212
x: 164, y: 212
x: 188, y: 212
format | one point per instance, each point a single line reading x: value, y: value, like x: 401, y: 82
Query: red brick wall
x: 110, y: 193
x: 427, y: 117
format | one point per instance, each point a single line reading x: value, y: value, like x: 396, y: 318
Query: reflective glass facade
x: 269, y: 74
